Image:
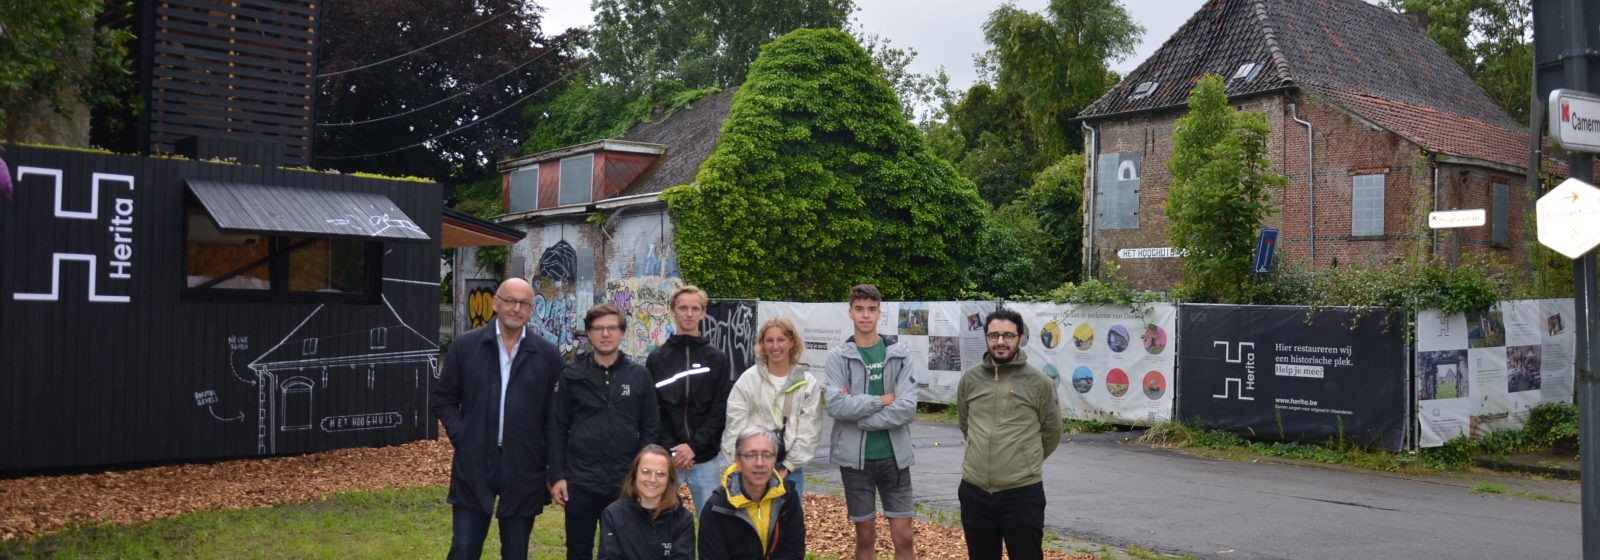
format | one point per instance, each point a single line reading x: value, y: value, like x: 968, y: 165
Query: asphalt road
x: 1106, y: 492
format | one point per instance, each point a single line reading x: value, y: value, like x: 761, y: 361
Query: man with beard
x: 1011, y: 419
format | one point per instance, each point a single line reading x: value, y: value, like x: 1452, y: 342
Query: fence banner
x: 1109, y: 363
x: 730, y: 326
x: 1481, y: 372
x: 944, y: 337
x: 1270, y: 372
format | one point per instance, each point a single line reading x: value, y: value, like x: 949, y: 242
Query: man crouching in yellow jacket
x: 754, y: 515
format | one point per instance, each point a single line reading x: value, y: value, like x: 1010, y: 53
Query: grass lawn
x: 394, y: 523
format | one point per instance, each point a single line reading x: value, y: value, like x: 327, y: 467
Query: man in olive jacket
x: 1011, y: 419
x: 493, y: 397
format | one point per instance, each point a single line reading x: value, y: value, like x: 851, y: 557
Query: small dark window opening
x: 257, y: 267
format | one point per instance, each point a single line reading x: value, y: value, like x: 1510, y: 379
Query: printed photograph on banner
x: 1083, y: 337
x: 1154, y: 339
x: 913, y: 319
x: 1442, y: 374
x: 1053, y: 373
x: 944, y: 353
x: 1522, y: 368
x: 1486, y: 328
x: 1050, y: 335
x: 1082, y: 379
x: 1117, y: 338
x: 975, y: 321
x: 1155, y: 385
x: 1117, y: 382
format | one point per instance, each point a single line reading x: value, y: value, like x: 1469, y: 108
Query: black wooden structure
x: 157, y: 310
x: 229, y: 80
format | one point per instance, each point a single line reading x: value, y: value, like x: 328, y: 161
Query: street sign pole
x: 1586, y: 388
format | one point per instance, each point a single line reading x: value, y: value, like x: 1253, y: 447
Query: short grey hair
x: 755, y: 432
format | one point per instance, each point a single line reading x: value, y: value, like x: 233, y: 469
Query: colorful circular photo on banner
x: 1082, y: 379
x: 1054, y: 374
x: 1117, y: 338
x: 1117, y: 382
x: 1050, y: 335
x: 1083, y: 337
x: 1155, y: 385
x: 1154, y: 339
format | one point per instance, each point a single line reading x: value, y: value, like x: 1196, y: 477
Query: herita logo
x: 108, y: 262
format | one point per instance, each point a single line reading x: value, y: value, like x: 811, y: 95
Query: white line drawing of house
x: 290, y: 375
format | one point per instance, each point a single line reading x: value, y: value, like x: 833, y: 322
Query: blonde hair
x: 787, y: 326
x: 705, y: 300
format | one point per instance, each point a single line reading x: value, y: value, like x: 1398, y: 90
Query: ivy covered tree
x: 819, y: 183
x: 1219, y: 195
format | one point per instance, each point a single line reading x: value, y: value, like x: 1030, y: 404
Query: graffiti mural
x: 730, y: 326
x: 644, y: 300
x: 557, y: 314
x: 480, y: 303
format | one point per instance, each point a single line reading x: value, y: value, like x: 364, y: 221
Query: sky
x: 944, y: 33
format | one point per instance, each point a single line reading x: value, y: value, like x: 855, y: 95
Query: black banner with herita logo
x: 1281, y: 373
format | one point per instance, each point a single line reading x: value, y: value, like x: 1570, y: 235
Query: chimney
x: 1418, y: 20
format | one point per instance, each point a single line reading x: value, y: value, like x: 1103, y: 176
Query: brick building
x: 1388, y: 125
x: 596, y: 226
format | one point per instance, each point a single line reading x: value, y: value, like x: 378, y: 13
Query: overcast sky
x: 943, y: 32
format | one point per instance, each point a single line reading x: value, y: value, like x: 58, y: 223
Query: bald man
x: 492, y: 398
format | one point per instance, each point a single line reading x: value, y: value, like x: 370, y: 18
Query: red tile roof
x: 1438, y: 131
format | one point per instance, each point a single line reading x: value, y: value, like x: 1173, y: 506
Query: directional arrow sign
x: 1569, y: 218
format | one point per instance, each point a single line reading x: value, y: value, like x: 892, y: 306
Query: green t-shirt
x: 878, y: 445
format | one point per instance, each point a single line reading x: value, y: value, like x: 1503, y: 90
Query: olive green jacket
x: 1011, y: 419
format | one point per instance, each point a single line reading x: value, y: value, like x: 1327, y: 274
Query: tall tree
x: 818, y: 183
x: 54, y: 58
x: 699, y: 43
x: 1220, y: 177
x: 1492, y: 40
x: 360, y: 32
x: 1056, y: 61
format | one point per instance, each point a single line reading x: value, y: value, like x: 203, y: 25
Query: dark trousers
x: 583, y: 517
x: 470, y: 526
x: 1014, y: 517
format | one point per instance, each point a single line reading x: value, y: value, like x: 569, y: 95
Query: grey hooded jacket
x: 855, y: 412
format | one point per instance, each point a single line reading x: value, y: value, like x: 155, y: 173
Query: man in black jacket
x: 693, y: 379
x: 755, y: 514
x: 493, y: 397
x: 604, y: 410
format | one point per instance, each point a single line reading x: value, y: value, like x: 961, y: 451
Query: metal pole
x: 1586, y: 387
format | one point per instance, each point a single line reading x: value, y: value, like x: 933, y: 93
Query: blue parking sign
x: 1264, y: 250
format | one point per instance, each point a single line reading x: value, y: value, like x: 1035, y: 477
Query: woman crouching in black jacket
x: 648, y: 521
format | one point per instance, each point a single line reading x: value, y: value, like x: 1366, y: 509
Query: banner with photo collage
x: 1481, y: 372
x: 1109, y: 364
x: 943, y: 337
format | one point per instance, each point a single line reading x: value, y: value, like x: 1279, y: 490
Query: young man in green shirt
x: 872, y: 396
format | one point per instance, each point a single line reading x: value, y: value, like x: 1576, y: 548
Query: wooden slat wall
x: 87, y: 383
x: 238, y: 70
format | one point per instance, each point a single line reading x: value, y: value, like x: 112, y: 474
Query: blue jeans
x: 798, y: 478
x: 703, y: 479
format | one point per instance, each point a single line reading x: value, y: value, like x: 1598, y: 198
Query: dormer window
x: 1246, y: 71
x: 1144, y: 90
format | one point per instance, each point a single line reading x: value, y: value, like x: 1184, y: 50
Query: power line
x: 475, y: 87
x: 420, y: 49
x: 563, y: 78
x: 470, y: 124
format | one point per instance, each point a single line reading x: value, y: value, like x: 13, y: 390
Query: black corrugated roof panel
x: 278, y: 210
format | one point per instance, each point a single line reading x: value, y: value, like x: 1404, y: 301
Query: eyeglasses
x: 753, y: 455
x: 515, y: 303
x: 606, y: 329
x: 1007, y: 336
x: 647, y: 473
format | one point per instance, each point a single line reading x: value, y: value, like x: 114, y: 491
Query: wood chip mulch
x: 34, y: 506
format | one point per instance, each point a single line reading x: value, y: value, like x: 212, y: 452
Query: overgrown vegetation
x: 817, y: 166
x: 1547, y: 424
x: 55, y: 54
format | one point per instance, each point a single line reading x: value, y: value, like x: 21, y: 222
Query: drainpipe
x: 1088, y: 234
x: 1311, y: 178
x: 1434, y: 233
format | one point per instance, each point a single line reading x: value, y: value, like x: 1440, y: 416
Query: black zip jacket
x: 600, y: 417
x: 628, y: 533
x: 694, y: 408
x: 726, y: 532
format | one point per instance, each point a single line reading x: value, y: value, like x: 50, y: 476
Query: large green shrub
x: 819, y: 183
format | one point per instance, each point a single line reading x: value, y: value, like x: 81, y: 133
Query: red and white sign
x: 1575, y: 120
x: 1569, y: 218
x: 1457, y: 218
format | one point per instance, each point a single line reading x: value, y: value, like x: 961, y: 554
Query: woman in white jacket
x: 778, y: 394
